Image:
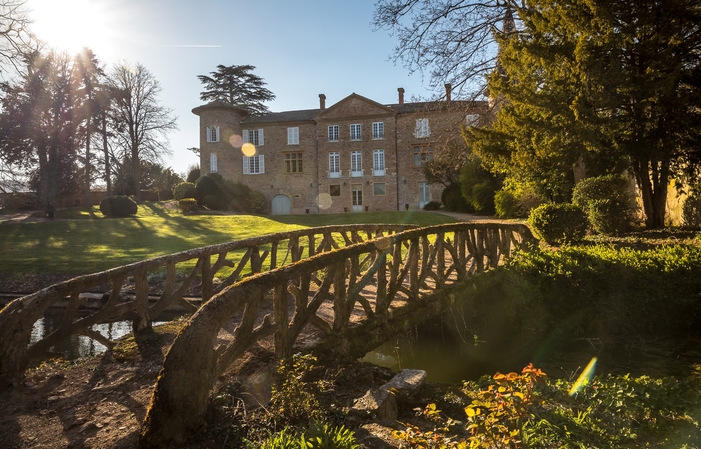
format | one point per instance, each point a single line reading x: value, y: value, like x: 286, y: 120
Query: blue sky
x: 300, y: 48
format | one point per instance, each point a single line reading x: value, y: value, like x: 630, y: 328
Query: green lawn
x: 90, y: 243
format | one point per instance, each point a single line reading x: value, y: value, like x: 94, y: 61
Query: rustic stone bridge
x: 352, y: 287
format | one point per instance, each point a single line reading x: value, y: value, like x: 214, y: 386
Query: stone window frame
x: 213, y: 163
x: 422, y: 154
x: 333, y: 133
x: 378, y: 130
x: 334, y: 162
x: 213, y: 134
x: 356, y: 131
x: 376, y: 188
x: 293, y: 162
x: 335, y: 190
x: 422, y: 128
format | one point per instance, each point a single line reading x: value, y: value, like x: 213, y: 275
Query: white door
x: 424, y: 194
x: 357, y: 196
x: 281, y: 205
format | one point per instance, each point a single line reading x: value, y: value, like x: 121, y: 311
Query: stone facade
x: 356, y: 155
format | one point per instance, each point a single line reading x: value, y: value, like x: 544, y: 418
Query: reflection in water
x: 78, y: 346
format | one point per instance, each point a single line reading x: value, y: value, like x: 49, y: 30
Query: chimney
x: 448, y: 89
x: 322, y: 101
x: 401, y: 95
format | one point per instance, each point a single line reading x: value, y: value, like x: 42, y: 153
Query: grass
x: 89, y: 243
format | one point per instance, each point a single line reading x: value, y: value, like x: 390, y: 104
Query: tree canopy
x: 611, y: 84
x: 237, y: 85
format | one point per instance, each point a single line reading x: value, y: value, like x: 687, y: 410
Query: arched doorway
x: 281, y: 205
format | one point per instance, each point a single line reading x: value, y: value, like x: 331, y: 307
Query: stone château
x: 356, y: 155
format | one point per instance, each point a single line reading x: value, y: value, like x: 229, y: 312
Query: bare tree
x: 140, y: 122
x: 15, y: 36
x: 451, y: 41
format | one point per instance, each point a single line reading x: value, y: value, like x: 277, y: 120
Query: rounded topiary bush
x: 506, y: 205
x: 608, y: 202
x: 258, y: 202
x: 188, y: 205
x: 184, y: 190
x: 453, y: 200
x: 209, y: 185
x: 432, y: 205
x: 118, y: 206
x: 211, y: 202
x: 558, y: 223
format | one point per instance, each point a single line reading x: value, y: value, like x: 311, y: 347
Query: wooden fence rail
x: 128, y: 287
x: 329, y: 295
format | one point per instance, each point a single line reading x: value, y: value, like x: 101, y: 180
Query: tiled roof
x: 285, y: 116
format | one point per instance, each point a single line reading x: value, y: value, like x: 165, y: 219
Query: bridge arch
x: 356, y: 289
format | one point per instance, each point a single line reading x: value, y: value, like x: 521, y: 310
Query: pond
x: 79, y: 346
x: 449, y: 353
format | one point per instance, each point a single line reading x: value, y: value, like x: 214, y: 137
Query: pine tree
x: 236, y: 85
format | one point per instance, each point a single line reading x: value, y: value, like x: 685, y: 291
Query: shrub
x: 258, y: 202
x: 607, y: 201
x: 478, y: 186
x: 691, y: 210
x: 118, y: 206
x: 193, y: 175
x: 453, y: 200
x: 188, y: 205
x: 506, y: 205
x: 211, y: 202
x: 558, y: 223
x: 210, y: 184
x: 184, y: 190
x: 432, y: 205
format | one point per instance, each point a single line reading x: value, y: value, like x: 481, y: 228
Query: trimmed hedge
x: 607, y: 201
x: 558, y: 223
x: 184, y: 190
x: 118, y: 206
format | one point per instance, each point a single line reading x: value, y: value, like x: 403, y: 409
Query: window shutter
x: 207, y: 132
x: 261, y: 140
x: 245, y: 136
x: 246, y: 163
x: 261, y: 160
x: 428, y: 128
x: 217, y: 136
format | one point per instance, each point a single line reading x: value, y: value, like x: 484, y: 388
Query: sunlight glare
x: 71, y: 25
x: 248, y: 149
x: 584, y: 378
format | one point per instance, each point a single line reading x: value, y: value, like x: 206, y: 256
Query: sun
x: 71, y: 25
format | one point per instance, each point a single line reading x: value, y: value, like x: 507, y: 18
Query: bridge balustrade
x: 356, y: 290
x: 128, y: 286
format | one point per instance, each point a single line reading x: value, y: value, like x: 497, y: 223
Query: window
x: 422, y: 128
x: 378, y: 130
x: 212, y: 134
x: 253, y: 165
x: 472, y: 119
x: 212, y: 163
x: 254, y: 136
x: 422, y: 155
x: 293, y: 162
x: 356, y: 163
x: 335, y: 190
x: 333, y: 133
x: 355, y: 132
x: 334, y: 165
x: 378, y: 162
x: 379, y: 189
x: 293, y: 136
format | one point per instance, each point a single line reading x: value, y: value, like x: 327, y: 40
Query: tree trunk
x: 137, y: 172
x: 108, y: 174
x: 653, y: 180
x: 88, y: 200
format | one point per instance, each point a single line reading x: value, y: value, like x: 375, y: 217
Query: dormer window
x: 213, y: 134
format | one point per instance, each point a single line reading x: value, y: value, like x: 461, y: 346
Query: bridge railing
x: 129, y: 297
x: 329, y: 295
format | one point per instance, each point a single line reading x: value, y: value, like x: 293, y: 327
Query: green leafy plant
x: 184, y: 190
x: 608, y: 202
x: 118, y: 206
x: 188, y: 205
x: 558, y: 223
x: 294, y: 400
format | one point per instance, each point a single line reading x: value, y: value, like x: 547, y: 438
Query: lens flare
x: 383, y: 244
x: 324, y: 201
x: 236, y: 141
x: 584, y: 378
x: 248, y: 149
